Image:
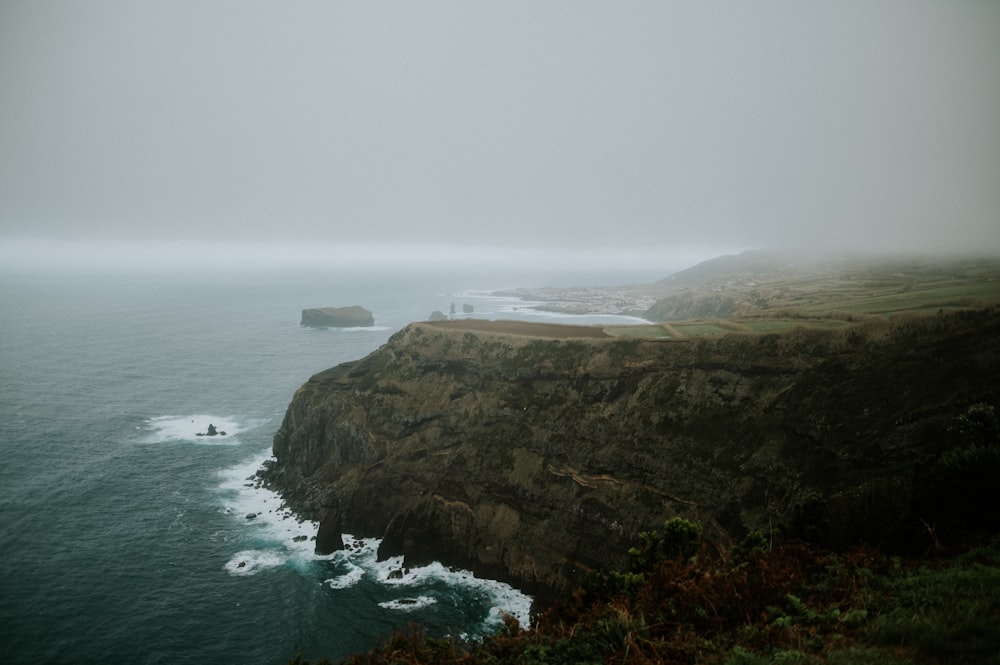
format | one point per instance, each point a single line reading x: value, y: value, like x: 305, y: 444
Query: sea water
x: 127, y: 538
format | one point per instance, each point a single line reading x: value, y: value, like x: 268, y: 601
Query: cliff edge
x: 536, y: 453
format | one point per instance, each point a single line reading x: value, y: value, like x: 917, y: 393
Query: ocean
x: 126, y: 538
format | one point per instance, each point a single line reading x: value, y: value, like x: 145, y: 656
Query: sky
x: 619, y: 129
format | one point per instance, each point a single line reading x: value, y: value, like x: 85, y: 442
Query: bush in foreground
x: 791, y: 603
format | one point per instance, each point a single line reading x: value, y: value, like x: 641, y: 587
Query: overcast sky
x: 542, y: 124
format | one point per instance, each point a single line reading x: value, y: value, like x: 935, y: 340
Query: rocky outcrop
x: 337, y: 317
x: 537, y: 457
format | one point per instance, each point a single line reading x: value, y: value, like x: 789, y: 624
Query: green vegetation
x: 777, y: 325
x: 774, y: 598
x: 699, y: 328
x: 786, y: 603
x: 771, y: 294
x: 652, y: 331
x: 799, y: 592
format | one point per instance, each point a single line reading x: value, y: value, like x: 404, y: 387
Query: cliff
x: 337, y: 317
x: 537, y: 453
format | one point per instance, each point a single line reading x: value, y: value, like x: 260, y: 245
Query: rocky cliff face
x: 536, y: 459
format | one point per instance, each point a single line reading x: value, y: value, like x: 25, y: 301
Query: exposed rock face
x: 535, y: 459
x: 337, y: 317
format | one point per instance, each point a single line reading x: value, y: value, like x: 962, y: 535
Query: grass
x: 780, y: 604
x: 777, y: 325
x: 700, y: 328
x: 650, y: 331
x: 949, y: 615
x: 929, y: 297
x: 773, y: 602
x: 682, y: 329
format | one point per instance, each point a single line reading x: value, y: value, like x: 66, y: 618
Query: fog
x: 616, y: 133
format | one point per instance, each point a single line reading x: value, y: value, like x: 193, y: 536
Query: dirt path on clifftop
x: 526, y: 328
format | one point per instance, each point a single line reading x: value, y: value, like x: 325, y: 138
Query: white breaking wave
x: 194, y: 429
x: 251, y: 562
x: 292, y: 542
x: 263, y: 511
x: 408, y: 604
x: 358, y: 561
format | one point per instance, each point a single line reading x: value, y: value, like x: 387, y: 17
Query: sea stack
x: 354, y: 316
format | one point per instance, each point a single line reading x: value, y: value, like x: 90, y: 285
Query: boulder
x: 329, y: 537
x: 354, y: 316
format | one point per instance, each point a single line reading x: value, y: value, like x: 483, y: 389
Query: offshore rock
x: 329, y: 538
x: 354, y: 316
x: 535, y: 454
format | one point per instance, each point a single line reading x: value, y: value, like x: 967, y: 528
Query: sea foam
x: 251, y: 562
x: 359, y: 561
x: 281, y: 538
x: 194, y: 429
x: 263, y: 512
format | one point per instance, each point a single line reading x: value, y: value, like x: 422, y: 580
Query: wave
x: 251, y: 562
x: 408, y: 604
x: 359, y: 562
x: 281, y: 538
x: 263, y: 510
x: 194, y: 429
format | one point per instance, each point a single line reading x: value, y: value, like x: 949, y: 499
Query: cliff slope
x: 536, y: 454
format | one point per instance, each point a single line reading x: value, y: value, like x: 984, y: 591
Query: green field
x: 921, y: 297
x: 827, y: 297
x: 777, y: 325
x: 651, y: 331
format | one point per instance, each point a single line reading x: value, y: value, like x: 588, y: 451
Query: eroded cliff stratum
x: 538, y: 457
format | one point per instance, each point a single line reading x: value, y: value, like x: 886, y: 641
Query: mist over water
x: 482, y: 266
x: 179, y: 180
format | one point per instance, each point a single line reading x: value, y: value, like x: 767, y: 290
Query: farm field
x: 824, y: 296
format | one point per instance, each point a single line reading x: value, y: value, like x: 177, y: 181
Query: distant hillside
x: 759, y: 283
x: 730, y: 266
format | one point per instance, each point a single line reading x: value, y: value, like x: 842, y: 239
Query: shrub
x: 978, y: 426
x: 811, y: 519
x: 961, y: 490
x: 680, y: 540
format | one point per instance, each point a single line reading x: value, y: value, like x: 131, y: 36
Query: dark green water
x: 124, y: 537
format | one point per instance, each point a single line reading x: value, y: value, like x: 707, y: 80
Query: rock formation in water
x: 536, y: 454
x: 337, y: 317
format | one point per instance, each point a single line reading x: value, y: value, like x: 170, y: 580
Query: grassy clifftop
x: 548, y: 456
x: 537, y: 459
